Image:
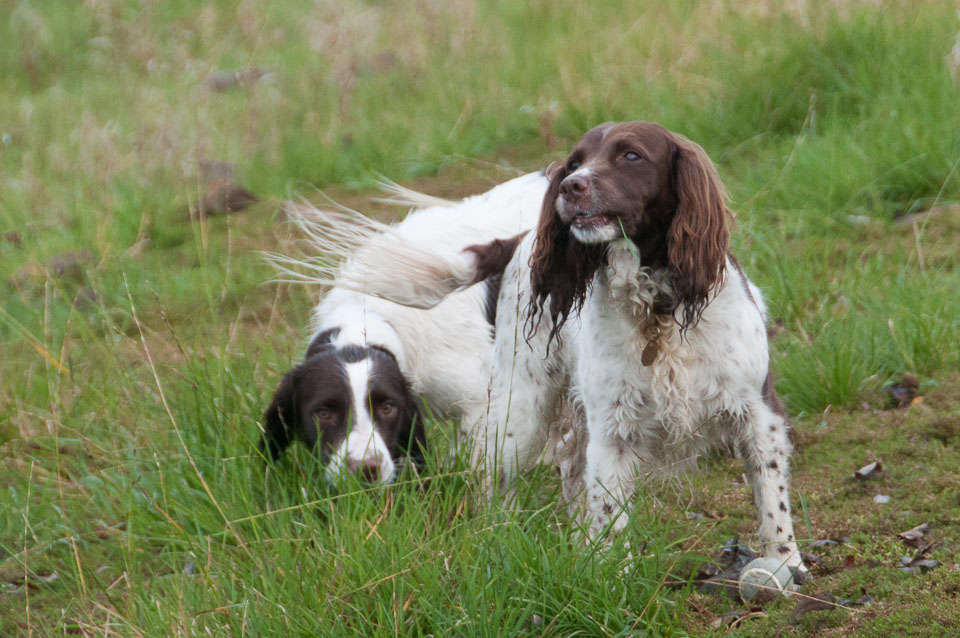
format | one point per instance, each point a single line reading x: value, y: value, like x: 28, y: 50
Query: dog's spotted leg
x: 613, y: 468
x: 766, y: 451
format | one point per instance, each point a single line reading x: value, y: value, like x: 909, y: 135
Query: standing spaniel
x: 626, y: 300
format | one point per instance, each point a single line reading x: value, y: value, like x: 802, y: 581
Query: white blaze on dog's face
x: 363, y: 452
x: 355, y: 404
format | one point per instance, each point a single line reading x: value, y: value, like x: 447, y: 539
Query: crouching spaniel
x: 356, y: 396
x: 627, y: 300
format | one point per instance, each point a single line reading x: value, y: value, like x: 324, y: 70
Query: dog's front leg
x: 613, y: 468
x: 766, y: 450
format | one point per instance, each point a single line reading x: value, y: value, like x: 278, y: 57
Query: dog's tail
x: 423, y: 260
x: 345, y: 249
x: 421, y: 277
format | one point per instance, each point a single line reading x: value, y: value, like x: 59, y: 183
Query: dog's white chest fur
x: 696, y: 390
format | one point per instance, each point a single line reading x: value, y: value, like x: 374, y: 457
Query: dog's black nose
x: 574, y: 186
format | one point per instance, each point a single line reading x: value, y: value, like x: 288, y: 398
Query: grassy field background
x: 138, y: 348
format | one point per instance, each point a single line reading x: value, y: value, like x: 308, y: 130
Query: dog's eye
x: 631, y: 156
x: 573, y: 165
x: 323, y: 414
x: 387, y: 409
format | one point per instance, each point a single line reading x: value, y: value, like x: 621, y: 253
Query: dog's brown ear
x: 561, y: 268
x: 552, y: 170
x: 699, y: 234
x: 280, y: 419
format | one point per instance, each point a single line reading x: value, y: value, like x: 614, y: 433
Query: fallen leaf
x: 910, y: 381
x: 813, y: 602
x: 866, y: 599
x: 914, y: 537
x: 918, y: 566
x: 221, y: 81
x: 849, y: 562
x: 873, y: 470
x: 918, y: 563
x: 723, y: 575
x: 810, y: 559
x: 15, y: 238
x: 901, y: 395
x: 726, y: 619
x: 824, y: 542
x: 776, y: 329
x: 222, y: 197
x: 733, y: 618
x: 70, y: 264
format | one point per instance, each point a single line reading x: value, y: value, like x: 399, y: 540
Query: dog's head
x: 354, y: 403
x: 638, y: 181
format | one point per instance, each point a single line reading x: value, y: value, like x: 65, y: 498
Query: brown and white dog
x: 626, y: 300
x: 370, y: 362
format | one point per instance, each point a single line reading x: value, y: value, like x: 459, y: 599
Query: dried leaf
x: 810, y: 559
x: 902, y: 394
x: 914, y: 537
x: 865, y: 599
x: 824, y: 542
x: 224, y: 197
x: 873, y: 470
x: 221, y: 81
x: 713, y: 578
x: 14, y: 238
x: 726, y: 619
x: 814, y: 602
x: 733, y: 618
x: 918, y: 564
x: 849, y: 562
x: 923, y: 549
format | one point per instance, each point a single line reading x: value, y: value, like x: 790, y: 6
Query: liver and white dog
x: 356, y: 395
x: 627, y: 300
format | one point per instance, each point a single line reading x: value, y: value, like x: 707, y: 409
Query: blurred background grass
x: 831, y: 121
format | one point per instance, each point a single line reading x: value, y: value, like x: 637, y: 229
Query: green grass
x: 829, y: 122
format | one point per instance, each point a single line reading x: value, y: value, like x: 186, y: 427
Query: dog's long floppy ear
x: 280, y: 419
x: 561, y: 268
x: 699, y: 234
